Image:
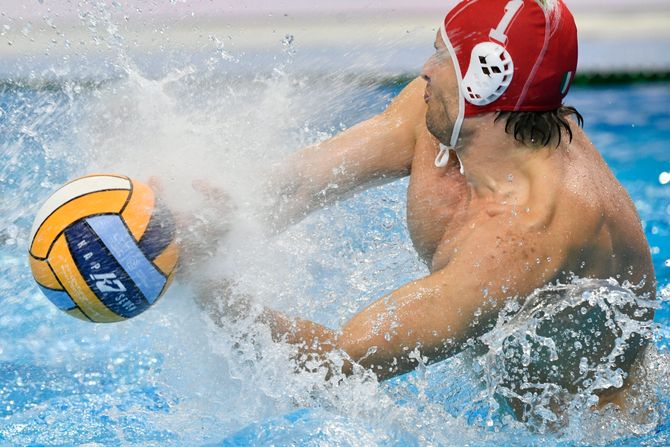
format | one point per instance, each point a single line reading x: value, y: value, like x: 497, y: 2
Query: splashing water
x: 178, y: 376
x: 541, y: 354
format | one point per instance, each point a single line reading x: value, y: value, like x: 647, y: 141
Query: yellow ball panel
x: 138, y: 211
x: 78, y: 314
x: 101, y: 202
x: 167, y: 261
x: 75, y: 285
x: 43, y: 274
x: 168, y: 283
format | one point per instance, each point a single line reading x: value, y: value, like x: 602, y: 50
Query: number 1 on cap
x: 511, y: 8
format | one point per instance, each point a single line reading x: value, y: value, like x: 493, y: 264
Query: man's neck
x: 496, y: 166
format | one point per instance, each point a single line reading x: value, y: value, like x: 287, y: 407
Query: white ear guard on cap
x: 489, y: 74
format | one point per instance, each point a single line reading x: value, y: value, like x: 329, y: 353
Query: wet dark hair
x: 539, y: 129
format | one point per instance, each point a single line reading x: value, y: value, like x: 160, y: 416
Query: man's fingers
x: 212, y: 193
x: 207, y: 190
x: 156, y: 185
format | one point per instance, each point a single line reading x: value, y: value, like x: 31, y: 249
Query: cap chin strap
x: 442, y: 158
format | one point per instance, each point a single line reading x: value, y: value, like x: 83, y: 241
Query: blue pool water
x: 169, y: 377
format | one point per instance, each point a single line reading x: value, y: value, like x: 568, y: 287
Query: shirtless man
x: 499, y: 204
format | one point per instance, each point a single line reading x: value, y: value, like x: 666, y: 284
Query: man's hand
x: 199, y: 232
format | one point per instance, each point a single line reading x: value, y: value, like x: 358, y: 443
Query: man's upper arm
x: 380, y: 146
x: 377, y: 150
x: 439, y: 313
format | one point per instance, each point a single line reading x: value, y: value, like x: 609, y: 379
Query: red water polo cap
x: 510, y: 55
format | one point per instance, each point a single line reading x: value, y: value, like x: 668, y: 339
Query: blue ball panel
x: 160, y: 232
x: 103, y: 274
x: 120, y: 242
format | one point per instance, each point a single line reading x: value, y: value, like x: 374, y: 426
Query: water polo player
x: 506, y: 192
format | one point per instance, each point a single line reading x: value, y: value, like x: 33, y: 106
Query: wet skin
x: 518, y: 219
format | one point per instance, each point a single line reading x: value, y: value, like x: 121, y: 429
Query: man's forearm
x: 371, y: 153
x: 313, y: 340
x: 289, y: 197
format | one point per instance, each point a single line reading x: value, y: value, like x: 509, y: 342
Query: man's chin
x: 440, y: 129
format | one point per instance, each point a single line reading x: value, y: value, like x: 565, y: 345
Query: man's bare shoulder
x: 594, y: 219
x: 590, y: 195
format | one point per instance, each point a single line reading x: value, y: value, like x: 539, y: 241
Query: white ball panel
x: 74, y: 189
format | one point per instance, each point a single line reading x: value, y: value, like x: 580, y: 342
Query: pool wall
x: 50, y: 40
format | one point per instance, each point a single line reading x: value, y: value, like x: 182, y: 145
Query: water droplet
x: 288, y: 39
x: 583, y: 365
x: 387, y: 222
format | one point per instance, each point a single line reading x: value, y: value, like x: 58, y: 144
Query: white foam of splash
x: 228, y: 132
x: 162, y: 126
